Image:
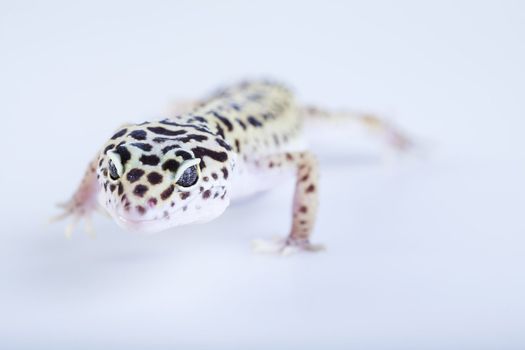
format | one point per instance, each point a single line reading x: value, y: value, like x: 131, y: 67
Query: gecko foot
x: 284, y: 246
x: 77, y: 215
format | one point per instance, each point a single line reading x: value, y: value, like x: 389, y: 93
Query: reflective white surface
x: 422, y: 254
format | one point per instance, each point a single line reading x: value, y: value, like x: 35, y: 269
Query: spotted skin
x: 185, y: 169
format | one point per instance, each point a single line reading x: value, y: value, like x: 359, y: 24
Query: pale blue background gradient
x: 422, y: 254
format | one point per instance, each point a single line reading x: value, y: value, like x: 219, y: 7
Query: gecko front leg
x: 305, y: 203
x: 83, y: 202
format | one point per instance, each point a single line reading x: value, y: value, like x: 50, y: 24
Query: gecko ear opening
x: 115, y: 166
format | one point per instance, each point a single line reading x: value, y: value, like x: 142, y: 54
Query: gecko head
x: 154, y: 176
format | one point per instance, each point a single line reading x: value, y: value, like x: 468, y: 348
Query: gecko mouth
x: 147, y: 225
x: 142, y: 225
x: 153, y: 225
x: 135, y: 221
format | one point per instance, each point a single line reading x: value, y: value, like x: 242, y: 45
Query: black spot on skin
x: 201, y: 152
x: 215, y: 176
x: 196, y: 127
x: 124, y: 154
x: 150, y: 160
x: 216, y: 195
x: 310, y: 188
x: 184, y: 195
x: 224, y: 120
x: 112, y: 187
x: 183, y: 154
x: 206, y: 194
x: 206, y: 179
x: 169, y: 148
x: 223, y: 144
x: 167, y: 192
x: 139, y: 135
x: 143, y: 146
x: 276, y: 139
x: 161, y: 139
x: 303, y: 209
x: 305, y: 177
x: 134, y: 175
x: 267, y: 116
x: 119, y: 134
x: 184, y: 208
x: 235, y: 106
x: 220, y: 131
x: 224, y: 173
x: 241, y: 123
x: 154, y: 178
x: 140, y: 190
x: 188, y: 138
x: 141, y: 209
x: 171, y: 165
x: 159, y: 130
x: 238, y: 146
x: 254, y: 122
x: 255, y: 97
x: 109, y: 147
x: 200, y: 119
x: 120, y: 189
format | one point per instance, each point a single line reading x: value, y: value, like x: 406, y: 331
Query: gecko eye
x: 188, y: 172
x: 115, y: 167
x: 113, y: 173
x: 189, y: 177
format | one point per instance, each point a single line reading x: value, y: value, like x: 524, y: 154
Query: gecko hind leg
x: 394, y: 138
x: 305, y: 204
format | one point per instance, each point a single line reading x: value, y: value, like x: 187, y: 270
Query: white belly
x: 248, y: 181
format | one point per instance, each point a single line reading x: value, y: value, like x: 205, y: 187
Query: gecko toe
x: 284, y: 246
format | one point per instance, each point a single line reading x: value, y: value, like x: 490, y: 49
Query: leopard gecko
x: 185, y: 169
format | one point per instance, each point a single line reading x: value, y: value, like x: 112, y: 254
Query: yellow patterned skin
x: 187, y: 168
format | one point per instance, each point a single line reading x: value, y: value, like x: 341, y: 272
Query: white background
x: 425, y: 254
